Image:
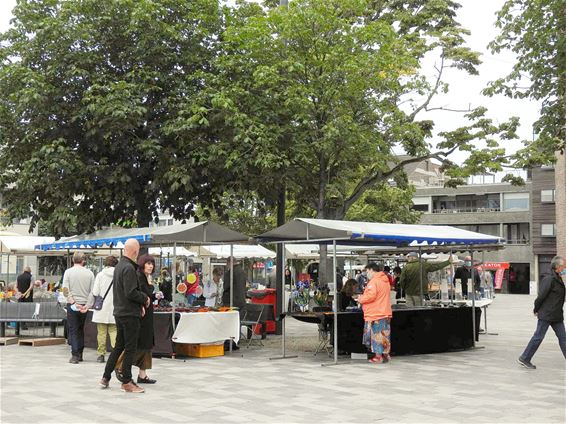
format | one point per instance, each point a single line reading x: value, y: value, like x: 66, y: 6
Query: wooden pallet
x: 5, y: 341
x: 46, y: 341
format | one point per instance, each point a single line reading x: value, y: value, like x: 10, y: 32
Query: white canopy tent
x: 393, y: 236
x: 241, y: 251
x: 12, y: 244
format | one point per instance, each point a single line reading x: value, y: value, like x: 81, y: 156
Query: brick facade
x: 560, y: 198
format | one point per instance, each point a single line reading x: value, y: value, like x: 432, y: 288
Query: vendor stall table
x: 195, y: 327
x: 413, y: 330
x: 207, y: 327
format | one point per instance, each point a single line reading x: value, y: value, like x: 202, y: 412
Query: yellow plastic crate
x: 200, y: 350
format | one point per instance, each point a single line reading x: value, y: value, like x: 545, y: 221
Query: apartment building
x: 525, y: 216
x: 544, y: 230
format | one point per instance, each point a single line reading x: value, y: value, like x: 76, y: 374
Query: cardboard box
x: 200, y: 350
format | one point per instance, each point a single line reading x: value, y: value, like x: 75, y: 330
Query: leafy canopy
x: 535, y: 30
x: 92, y: 95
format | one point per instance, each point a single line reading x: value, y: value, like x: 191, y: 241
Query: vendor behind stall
x: 212, y: 289
x: 347, y: 293
x: 410, y: 279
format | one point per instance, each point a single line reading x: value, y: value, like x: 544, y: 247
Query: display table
x: 413, y: 330
x: 207, y: 327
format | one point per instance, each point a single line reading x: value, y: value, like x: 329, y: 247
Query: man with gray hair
x: 77, y: 285
x: 549, y: 309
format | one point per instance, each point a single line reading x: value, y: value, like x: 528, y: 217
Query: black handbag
x: 99, y: 300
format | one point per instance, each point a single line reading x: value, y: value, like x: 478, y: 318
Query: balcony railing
x: 518, y: 242
x: 467, y: 210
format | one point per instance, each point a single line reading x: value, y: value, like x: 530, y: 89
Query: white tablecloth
x: 480, y: 303
x: 207, y: 327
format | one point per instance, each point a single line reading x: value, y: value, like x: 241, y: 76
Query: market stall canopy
x: 324, y: 231
x: 22, y: 245
x: 164, y: 251
x: 241, y: 251
x: 190, y: 233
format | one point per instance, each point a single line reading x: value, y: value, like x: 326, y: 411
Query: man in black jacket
x: 24, y: 285
x: 129, y: 303
x: 239, y: 296
x: 549, y: 309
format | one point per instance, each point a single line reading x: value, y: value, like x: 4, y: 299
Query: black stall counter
x: 413, y: 330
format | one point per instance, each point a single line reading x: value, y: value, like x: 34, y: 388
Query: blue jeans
x: 76, y: 322
x: 538, y: 337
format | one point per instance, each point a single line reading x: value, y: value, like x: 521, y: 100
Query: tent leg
x: 472, y: 285
x: 335, y: 308
x: 421, y: 275
x: 281, y: 309
x: 232, y: 286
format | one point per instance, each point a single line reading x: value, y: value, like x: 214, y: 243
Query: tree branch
x: 447, y: 109
x: 432, y: 93
x: 370, y: 181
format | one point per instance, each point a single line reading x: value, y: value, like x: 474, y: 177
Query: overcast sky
x: 479, y: 17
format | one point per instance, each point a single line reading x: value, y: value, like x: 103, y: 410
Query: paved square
x: 484, y: 385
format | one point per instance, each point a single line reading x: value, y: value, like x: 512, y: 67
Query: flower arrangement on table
x: 320, y: 296
x: 302, y: 295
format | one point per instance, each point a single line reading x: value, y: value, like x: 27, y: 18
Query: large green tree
x: 535, y: 30
x: 93, y: 94
x: 326, y: 94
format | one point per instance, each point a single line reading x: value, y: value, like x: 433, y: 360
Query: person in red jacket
x: 387, y: 271
x: 376, y: 304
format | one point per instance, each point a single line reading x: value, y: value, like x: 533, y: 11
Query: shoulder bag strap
x: 107, y: 290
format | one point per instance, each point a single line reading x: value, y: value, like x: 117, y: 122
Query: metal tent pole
x: 421, y: 275
x: 281, y: 311
x: 173, y: 283
x: 232, y: 284
x: 335, y: 308
x: 473, y: 286
x: 335, y: 305
x: 452, y: 283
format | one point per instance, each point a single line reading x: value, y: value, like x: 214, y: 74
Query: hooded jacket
x: 101, y: 284
x: 549, y: 304
x: 375, y: 300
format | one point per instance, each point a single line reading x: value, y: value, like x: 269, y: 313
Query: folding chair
x: 254, y: 315
x: 324, y: 328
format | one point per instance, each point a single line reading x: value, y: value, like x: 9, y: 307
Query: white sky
x: 478, y: 16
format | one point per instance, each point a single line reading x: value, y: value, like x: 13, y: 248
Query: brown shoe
x: 104, y: 382
x: 131, y: 387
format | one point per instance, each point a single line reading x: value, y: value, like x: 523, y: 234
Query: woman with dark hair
x: 347, y: 293
x: 143, y: 359
x: 376, y: 304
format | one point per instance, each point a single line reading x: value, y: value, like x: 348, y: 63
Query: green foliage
x: 247, y: 214
x: 93, y: 94
x: 535, y: 31
x: 313, y: 96
x: 385, y: 204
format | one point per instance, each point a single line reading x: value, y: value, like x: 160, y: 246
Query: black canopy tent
x: 397, y: 237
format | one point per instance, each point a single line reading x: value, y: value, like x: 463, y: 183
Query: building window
x: 548, y: 230
x: 516, y: 201
x: 547, y: 196
x: 516, y: 233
